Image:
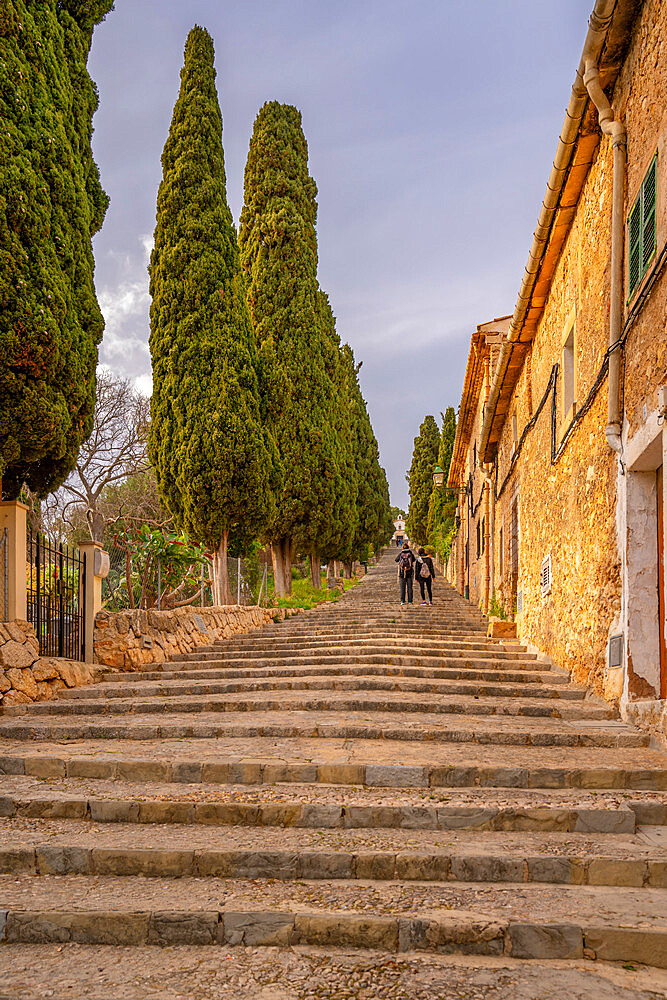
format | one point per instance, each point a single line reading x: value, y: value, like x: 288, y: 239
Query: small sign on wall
x: 200, y: 623
x: 616, y: 651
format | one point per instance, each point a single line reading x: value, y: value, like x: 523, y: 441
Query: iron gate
x: 56, y: 597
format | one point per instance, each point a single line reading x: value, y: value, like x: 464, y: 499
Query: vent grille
x: 545, y: 576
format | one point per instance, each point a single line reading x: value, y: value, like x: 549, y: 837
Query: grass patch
x: 305, y: 596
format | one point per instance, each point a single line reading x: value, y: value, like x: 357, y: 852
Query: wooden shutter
x: 648, y: 215
x: 642, y: 230
x: 635, y: 238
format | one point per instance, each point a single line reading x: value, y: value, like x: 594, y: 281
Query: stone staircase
x: 360, y: 776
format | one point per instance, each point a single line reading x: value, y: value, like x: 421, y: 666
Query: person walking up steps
x: 425, y: 571
x: 406, y: 561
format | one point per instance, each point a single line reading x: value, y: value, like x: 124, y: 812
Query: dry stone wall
x: 132, y: 640
x: 26, y: 676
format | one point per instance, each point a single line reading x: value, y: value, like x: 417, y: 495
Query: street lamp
x: 438, y: 476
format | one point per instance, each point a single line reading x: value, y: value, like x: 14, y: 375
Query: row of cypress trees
x: 259, y: 427
x: 431, y: 512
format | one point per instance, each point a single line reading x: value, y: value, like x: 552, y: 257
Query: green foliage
x: 153, y: 557
x: 374, y: 523
x: 442, y: 503
x: 293, y: 325
x: 213, y: 458
x: 496, y: 610
x: 51, y: 204
x: 397, y: 513
x: 330, y: 530
x: 420, y: 479
x: 304, y: 595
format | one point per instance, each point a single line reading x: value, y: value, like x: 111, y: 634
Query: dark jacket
x: 428, y: 562
x: 408, y: 573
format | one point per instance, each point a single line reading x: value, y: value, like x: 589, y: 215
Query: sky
x: 431, y: 127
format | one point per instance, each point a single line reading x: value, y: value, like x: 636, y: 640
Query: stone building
x: 399, y: 535
x: 561, y: 440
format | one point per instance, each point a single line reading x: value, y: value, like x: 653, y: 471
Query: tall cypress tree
x: 420, y: 479
x: 329, y: 532
x: 373, y: 521
x: 279, y: 254
x: 51, y: 204
x: 443, y: 503
x: 212, y: 456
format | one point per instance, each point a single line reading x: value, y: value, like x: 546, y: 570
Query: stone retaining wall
x: 26, y: 676
x: 132, y: 640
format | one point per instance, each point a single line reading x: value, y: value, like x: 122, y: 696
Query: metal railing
x: 56, y: 597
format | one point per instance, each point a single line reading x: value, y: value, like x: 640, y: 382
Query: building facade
x: 566, y: 427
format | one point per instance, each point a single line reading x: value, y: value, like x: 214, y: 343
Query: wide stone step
x: 356, y: 645
x: 76, y: 847
x: 473, y: 661
x: 175, y: 763
x: 514, y: 730
x: 292, y: 803
x: 213, y: 672
x: 315, y: 683
x: 253, y: 652
x: 393, y: 702
x: 538, y: 922
x: 133, y: 806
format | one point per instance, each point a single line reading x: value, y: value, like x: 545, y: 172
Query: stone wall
x: 26, y: 676
x: 132, y: 640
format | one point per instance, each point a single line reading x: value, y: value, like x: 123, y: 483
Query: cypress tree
x: 420, y: 479
x: 279, y: 254
x: 212, y: 456
x: 330, y: 530
x: 373, y: 520
x: 51, y: 204
x: 442, y: 503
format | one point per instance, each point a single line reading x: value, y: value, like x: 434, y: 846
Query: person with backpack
x: 425, y: 571
x: 406, y: 561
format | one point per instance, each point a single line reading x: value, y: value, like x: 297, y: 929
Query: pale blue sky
x: 431, y: 127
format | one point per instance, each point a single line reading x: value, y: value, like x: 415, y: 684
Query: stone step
x: 355, y: 645
x: 183, y: 686
x: 408, y: 807
x: 182, y: 766
x: 73, y: 846
x: 290, y: 812
x: 322, y: 701
x: 514, y: 730
x: 499, y: 674
x: 389, y: 659
x: 612, y: 925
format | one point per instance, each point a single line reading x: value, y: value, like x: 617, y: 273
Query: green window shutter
x: 648, y: 215
x: 635, y: 254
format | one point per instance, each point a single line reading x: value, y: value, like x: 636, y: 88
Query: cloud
x: 125, y: 302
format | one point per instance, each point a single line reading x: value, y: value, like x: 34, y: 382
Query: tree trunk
x: 315, y: 576
x: 347, y: 570
x: 221, y: 592
x: 281, y: 554
x: 95, y: 525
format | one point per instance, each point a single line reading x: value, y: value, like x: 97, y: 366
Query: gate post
x: 13, y: 516
x: 96, y: 562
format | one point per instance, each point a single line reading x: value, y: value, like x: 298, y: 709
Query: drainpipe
x: 598, y: 26
x: 616, y: 130
x: 489, y: 504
